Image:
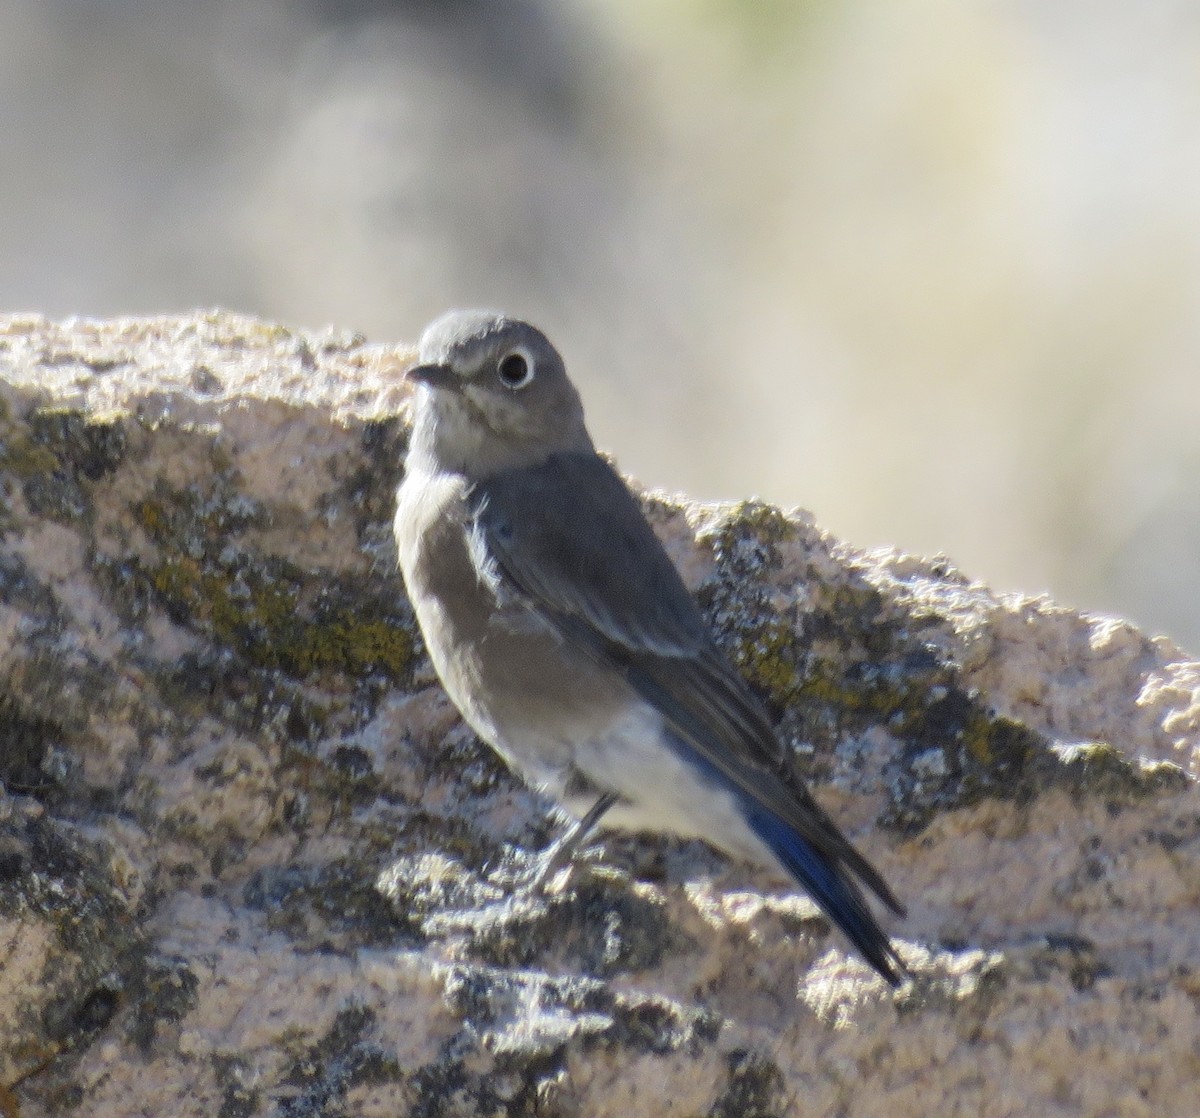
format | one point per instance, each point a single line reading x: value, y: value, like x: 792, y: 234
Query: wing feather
x: 570, y: 539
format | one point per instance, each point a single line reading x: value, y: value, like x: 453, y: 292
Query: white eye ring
x: 515, y: 368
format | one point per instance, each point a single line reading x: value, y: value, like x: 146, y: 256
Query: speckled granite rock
x: 248, y: 854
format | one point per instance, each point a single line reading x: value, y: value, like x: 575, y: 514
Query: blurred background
x: 929, y: 268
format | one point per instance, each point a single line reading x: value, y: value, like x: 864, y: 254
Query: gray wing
x: 569, y: 538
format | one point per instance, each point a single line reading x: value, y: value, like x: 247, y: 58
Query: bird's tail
x: 833, y: 889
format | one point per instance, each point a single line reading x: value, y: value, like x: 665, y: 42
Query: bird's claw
x: 547, y: 873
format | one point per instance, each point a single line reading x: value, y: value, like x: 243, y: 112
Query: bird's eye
x: 515, y: 369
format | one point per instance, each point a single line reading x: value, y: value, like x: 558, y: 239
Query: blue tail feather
x: 831, y: 884
x: 837, y: 894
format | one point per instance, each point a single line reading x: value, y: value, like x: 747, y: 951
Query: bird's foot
x: 547, y: 873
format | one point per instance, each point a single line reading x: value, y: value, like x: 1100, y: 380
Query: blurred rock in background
x: 956, y: 246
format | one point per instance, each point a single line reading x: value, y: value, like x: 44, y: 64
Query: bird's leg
x: 562, y: 853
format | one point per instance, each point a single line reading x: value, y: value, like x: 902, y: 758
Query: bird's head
x: 493, y: 394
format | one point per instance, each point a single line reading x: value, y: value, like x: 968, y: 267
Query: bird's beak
x: 435, y: 376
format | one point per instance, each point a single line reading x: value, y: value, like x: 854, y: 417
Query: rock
x: 249, y: 855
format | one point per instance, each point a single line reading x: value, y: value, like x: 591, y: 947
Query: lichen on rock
x: 251, y: 863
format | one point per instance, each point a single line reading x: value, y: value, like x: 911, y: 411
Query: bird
x: 566, y: 638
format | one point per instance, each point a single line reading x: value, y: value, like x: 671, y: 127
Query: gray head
x: 494, y: 395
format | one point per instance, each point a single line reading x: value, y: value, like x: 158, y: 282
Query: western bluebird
x: 565, y: 636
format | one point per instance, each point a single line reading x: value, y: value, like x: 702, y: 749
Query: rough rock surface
x: 250, y: 861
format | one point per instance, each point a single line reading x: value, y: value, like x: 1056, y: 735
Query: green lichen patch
x: 831, y: 664
x: 200, y: 519
x: 261, y: 704
x: 270, y: 612
x: 818, y: 656
x: 1100, y: 770
x: 21, y: 456
x: 759, y: 638
x: 954, y: 753
x: 971, y: 754
x: 57, y: 455
x: 749, y: 533
x: 86, y: 446
x: 841, y: 661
